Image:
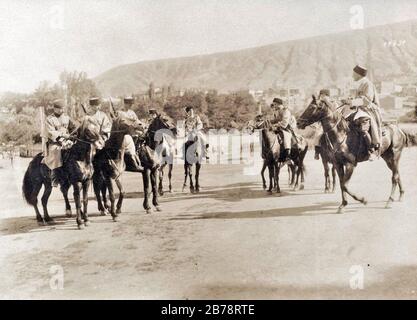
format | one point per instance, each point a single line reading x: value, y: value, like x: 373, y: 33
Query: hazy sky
x: 41, y: 38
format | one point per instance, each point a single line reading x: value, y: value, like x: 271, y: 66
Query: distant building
x: 387, y: 87
x: 410, y: 91
x: 390, y: 102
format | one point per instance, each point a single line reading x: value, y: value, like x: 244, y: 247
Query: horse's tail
x: 32, y: 172
x: 410, y: 138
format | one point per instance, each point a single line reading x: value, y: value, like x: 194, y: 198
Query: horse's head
x: 124, y: 124
x: 315, y: 112
x: 258, y: 123
x: 160, y: 122
x: 89, y: 131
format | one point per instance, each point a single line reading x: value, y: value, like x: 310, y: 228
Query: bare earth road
x: 230, y: 241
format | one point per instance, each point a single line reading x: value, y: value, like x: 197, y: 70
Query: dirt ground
x: 230, y: 241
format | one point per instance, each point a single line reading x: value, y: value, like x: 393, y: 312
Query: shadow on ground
x: 398, y: 282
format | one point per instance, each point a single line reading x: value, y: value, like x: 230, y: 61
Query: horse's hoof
x: 158, y: 208
x: 80, y: 226
x: 400, y: 199
x: 41, y: 223
x: 341, y: 210
x: 68, y: 213
x: 364, y: 201
x: 302, y: 187
x: 148, y: 211
x: 50, y: 222
x: 115, y: 218
x: 87, y: 223
x: 269, y: 192
x: 264, y: 187
x: 118, y: 211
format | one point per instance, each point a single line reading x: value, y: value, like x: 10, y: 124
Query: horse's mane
x: 342, y: 123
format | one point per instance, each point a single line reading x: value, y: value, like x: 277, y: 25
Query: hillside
x: 308, y: 63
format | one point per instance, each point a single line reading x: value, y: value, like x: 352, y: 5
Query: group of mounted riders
x: 100, y: 148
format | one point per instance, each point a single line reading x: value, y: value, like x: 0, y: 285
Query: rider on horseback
x: 194, y: 126
x: 100, y: 117
x: 58, y: 126
x: 368, y: 115
x: 131, y: 158
x: 284, y: 124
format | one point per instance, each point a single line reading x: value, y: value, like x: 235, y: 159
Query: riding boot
x: 317, y: 152
x: 134, y: 163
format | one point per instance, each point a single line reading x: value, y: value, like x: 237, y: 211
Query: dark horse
x: 344, y: 146
x: 77, y: 170
x: 109, y: 165
x: 160, y: 138
x: 273, y: 160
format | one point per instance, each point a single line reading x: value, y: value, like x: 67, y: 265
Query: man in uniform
x: 283, y: 122
x: 131, y: 157
x: 58, y: 127
x: 194, y: 126
x: 368, y: 104
x: 100, y: 117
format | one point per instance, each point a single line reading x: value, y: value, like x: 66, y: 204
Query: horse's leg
x: 326, y: 174
x: 97, y: 186
x: 161, y: 179
x: 297, y: 177
x: 348, y: 174
x: 334, y: 179
x: 271, y: 177
x: 46, y: 193
x: 197, y: 176
x: 170, y: 167
x: 154, y: 182
x: 86, y: 186
x: 64, y: 189
x: 146, y: 178
x: 121, y: 195
x: 77, y: 199
x: 276, y: 177
x: 105, y: 199
x: 34, y: 201
x: 341, y: 173
x: 392, y: 164
x: 185, y: 176
x: 190, y: 176
x: 262, y: 175
x: 112, y: 198
x: 302, y: 176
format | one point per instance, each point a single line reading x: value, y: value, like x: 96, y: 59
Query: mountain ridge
x: 309, y: 62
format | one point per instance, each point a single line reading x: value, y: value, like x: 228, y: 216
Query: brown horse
x: 109, y: 165
x: 296, y: 169
x: 77, y: 170
x: 344, y: 146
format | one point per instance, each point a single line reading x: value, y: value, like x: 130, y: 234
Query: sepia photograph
x: 208, y: 150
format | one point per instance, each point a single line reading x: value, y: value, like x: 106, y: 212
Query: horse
x: 109, y: 165
x: 77, y: 170
x: 295, y: 169
x: 345, y: 147
x: 160, y: 138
